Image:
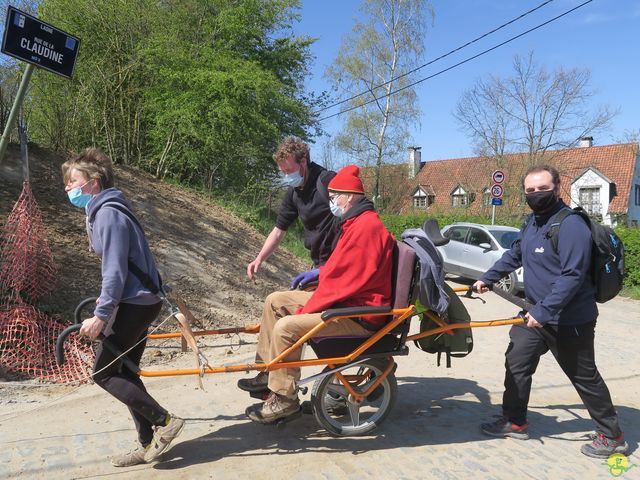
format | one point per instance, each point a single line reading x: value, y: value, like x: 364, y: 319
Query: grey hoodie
x: 117, y: 240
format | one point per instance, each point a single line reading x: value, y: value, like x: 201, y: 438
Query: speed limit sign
x: 497, y: 191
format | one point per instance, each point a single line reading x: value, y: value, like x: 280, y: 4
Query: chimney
x: 585, y: 142
x: 415, y: 159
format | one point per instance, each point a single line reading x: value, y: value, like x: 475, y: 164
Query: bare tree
x: 533, y: 111
x: 387, y: 42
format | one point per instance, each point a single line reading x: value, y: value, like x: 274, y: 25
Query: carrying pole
x: 17, y: 104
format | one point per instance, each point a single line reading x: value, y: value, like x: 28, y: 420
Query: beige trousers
x: 281, y: 328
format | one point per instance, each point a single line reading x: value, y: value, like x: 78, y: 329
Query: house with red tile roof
x: 604, y: 180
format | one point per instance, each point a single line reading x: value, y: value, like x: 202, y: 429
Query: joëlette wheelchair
x: 357, y: 388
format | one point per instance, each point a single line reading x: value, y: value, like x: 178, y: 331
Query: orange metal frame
x: 399, y: 316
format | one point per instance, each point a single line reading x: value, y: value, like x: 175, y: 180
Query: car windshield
x: 505, y: 237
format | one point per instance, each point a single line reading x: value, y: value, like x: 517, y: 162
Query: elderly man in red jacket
x: 358, y: 273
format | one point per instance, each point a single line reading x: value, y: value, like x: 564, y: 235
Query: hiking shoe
x: 603, y: 447
x: 274, y: 408
x: 131, y: 458
x: 502, y: 427
x: 162, y: 438
x: 255, y: 384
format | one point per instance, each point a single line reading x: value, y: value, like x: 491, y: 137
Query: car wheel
x: 508, y: 283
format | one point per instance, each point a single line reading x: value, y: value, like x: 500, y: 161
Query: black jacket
x: 311, y: 204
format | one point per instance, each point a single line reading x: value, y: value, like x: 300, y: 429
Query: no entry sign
x: 27, y: 38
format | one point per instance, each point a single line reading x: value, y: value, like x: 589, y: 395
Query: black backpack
x: 607, y: 254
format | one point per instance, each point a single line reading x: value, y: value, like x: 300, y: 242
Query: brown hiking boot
x: 274, y: 408
x: 131, y: 458
x: 255, y: 384
x: 163, y: 437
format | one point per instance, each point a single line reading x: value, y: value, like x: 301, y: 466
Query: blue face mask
x: 335, y: 209
x: 77, y: 198
x: 293, y: 179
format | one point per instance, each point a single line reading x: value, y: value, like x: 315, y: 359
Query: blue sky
x: 600, y: 36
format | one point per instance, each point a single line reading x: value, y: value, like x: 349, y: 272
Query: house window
x: 459, y: 197
x: 420, y: 202
x: 637, y: 194
x: 421, y: 199
x: 590, y: 200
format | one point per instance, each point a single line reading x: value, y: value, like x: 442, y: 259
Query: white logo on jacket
x: 539, y: 250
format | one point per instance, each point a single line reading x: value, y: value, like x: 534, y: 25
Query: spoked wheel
x: 338, y: 412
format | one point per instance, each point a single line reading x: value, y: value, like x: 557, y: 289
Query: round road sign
x: 497, y: 191
x: 498, y: 176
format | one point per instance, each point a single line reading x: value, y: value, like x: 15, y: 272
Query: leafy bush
x: 631, y: 239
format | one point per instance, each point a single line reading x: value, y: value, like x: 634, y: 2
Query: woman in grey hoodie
x: 128, y: 301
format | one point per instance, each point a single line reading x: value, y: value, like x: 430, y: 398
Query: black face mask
x: 541, y: 201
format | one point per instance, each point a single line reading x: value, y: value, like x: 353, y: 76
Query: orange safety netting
x: 26, y: 264
x: 28, y: 336
x: 27, y: 346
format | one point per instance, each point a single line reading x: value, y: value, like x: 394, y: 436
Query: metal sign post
x: 39, y: 44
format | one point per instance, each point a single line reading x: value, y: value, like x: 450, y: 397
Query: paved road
x: 432, y: 432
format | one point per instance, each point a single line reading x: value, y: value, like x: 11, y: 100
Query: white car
x: 474, y: 248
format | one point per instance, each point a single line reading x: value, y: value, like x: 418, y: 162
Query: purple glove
x: 305, y: 277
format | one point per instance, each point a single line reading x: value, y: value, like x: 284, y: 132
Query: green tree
x: 198, y: 90
x: 225, y: 92
x: 387, y: 42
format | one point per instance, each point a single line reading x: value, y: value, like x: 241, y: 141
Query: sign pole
x: 17, y: 104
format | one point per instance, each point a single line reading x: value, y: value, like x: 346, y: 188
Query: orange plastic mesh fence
x: 28, y: 336
x: 26, y: 263
x: 27, y: 346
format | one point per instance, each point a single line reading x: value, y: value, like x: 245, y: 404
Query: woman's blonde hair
x: 92, y: 163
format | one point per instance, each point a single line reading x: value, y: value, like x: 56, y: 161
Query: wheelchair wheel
x: 334, y: 410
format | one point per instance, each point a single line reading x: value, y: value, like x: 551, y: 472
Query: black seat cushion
x: 325, y: 347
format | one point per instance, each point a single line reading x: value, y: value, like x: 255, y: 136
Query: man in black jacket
x: 307, y: 197
x: 562, y: 320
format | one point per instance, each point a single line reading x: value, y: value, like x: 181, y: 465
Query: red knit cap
x: 347, y: 180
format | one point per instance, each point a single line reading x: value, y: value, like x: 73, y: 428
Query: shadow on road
x: 428, y: 411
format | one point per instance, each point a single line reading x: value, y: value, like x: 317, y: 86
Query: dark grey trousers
x: 573, y: 349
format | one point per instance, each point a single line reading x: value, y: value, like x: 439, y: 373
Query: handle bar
x: 106, y: 343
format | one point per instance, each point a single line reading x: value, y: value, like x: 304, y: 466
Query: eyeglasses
x: 333, y: 197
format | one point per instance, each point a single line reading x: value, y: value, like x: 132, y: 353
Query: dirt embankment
x: 202, y: 249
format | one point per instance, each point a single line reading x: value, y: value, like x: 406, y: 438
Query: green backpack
x: 459, y: 343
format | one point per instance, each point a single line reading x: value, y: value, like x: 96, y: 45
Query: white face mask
x: 335, y: 208
x: 293, y: 179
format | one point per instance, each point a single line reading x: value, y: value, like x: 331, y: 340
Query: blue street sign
x: 496, y: 201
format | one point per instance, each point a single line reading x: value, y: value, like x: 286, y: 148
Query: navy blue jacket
x: 559, y: 284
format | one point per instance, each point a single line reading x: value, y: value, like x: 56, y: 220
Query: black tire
x: 358, y: 419
x: 508, y: 283
x: 77, y: 314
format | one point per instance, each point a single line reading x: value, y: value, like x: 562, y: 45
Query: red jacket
x: 358, y: 272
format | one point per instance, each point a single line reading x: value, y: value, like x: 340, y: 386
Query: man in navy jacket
x: 563, y: 318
